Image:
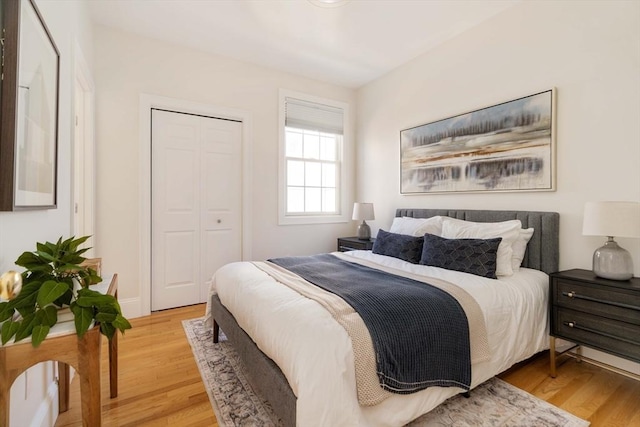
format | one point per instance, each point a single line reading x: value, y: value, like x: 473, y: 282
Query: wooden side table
x: 64, y: 346
x: 353, y: 243
x: 597, y: 313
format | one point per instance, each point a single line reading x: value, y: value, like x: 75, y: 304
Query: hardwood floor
x: 159, y: 382
x: 595, y: 394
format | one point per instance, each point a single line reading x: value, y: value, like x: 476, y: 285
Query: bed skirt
x: 262, y: 373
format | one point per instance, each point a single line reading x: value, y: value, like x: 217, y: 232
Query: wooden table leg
x: 113, y: 366
x: 89, y: 372
x: 64, y: 377
x: 552, y: 356
x: 113, y: 348
x: 5, y: 391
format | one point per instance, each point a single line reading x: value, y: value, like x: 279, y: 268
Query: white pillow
x: 508, y: 230
x: 519, y: 247
x: 416, y: 226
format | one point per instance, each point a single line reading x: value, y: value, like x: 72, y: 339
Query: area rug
x: 494, y: 403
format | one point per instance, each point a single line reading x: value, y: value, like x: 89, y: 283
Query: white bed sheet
x: 315, y: 355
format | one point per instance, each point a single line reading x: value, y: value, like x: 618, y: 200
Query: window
x: 311, y: 164
x: 312, y: 171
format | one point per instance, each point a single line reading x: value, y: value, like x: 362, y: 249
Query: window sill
x: 310, y: 219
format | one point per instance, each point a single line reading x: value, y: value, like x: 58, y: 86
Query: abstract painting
x: 506, y: 147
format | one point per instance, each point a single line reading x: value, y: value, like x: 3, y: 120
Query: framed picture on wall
x: 505, y: 147
x: 29, y: 132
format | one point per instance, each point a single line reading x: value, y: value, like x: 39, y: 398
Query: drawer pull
x: 575, y: 295
x: 595, y: 331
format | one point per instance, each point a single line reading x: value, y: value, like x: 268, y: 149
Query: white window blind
x: 307, y: 115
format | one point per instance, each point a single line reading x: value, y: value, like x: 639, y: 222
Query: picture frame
x: 29, y: 110
x: 502, y: 148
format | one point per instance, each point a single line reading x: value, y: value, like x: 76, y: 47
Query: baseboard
x: 47, y: 412
x: 604, y: 360
x: 131, y: 307
x: 613, y: 361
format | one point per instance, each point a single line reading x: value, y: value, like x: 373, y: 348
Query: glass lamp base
x: 612, y: 262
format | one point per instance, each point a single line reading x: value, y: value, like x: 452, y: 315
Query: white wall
x: 127, y: 65
x: 34, y: 394
x: 588, y: 50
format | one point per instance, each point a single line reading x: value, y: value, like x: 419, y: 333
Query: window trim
x: 346, y: 158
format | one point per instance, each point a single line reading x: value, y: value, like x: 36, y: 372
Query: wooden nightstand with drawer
x: 597, y: 313
x: 353, y: 243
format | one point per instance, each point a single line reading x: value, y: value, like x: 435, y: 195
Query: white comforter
x: 315, y: 354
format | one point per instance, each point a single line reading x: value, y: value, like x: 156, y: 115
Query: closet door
x: 196, y: 204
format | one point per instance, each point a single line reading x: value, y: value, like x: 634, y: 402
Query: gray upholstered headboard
x: 543, y: 248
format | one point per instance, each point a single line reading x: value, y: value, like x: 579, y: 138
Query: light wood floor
x: 159, y: 382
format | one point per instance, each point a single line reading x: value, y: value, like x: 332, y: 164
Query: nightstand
x: 597, y: 313
x: 353, y: 243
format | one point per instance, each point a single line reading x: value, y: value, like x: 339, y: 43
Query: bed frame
x: 265, y: 376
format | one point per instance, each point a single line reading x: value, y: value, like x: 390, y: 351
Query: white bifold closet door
x: 196, y: 188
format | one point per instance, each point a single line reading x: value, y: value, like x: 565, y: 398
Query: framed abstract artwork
x: 29, y: 119
x: 505, y: 147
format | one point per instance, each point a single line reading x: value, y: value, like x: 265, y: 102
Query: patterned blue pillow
x: 475, y: 256
x: 402, y: 246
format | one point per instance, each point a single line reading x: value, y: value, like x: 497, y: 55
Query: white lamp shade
x: 363, y: 211
x: 616, y: 219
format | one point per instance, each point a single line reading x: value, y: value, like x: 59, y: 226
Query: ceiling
x: 349, y: 43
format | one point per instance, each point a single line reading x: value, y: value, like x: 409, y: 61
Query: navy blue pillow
x: 475, y: 256
x: 402, y: 246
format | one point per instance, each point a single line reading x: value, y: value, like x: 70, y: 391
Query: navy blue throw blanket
x: 420, y: 333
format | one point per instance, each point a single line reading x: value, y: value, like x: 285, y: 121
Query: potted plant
x: 53, y: 280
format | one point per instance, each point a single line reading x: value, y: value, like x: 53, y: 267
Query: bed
x: 301, y: 360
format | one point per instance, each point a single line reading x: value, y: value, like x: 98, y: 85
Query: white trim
x: 47, y: 412
x: 82, y: 76
x: 347, y: 142
x: 131, y: 307
x: 147, y: 102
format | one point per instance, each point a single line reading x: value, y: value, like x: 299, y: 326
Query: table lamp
x: 621, y: 219
x: 363, y: 211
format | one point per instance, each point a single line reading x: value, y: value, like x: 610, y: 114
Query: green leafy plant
x: 48, y: 286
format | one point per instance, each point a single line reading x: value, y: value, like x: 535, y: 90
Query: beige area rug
x: 494, y: 403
